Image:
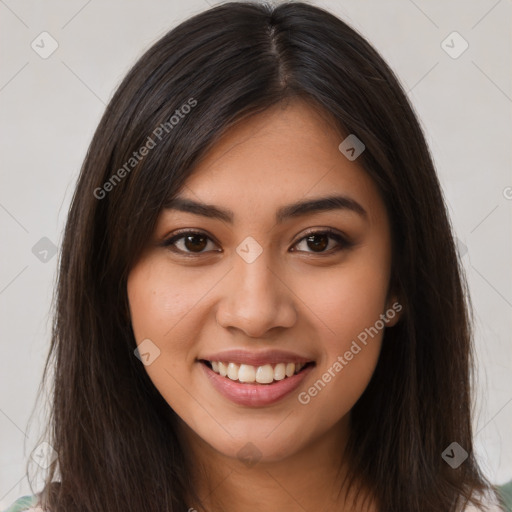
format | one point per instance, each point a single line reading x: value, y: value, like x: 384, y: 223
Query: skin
x: 312, y: 302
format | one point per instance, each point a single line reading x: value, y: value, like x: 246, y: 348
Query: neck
x: 312, y: 478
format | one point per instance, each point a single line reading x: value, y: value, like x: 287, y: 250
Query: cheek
x: 158, y: 301
x: 348, y: 298
x: 157, y: 296
x: 347, y: 303
x: 159, y: 306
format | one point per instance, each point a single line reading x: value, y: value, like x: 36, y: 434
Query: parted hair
x: 115, y: 437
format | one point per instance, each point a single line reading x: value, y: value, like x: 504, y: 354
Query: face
x: 270, y: 284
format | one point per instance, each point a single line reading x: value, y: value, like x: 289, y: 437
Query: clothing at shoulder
x: 490, y: 508
x: 490, y: 503
x: 25, y: 504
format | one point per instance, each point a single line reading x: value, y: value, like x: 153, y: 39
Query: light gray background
x: 50, y: 109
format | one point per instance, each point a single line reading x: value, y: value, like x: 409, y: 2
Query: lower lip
x: 255, y: 395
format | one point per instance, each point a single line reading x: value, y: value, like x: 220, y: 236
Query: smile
x: 235, y: 386
x: 265, y: 374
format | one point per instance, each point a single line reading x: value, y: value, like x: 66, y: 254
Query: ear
x: 393, y: 311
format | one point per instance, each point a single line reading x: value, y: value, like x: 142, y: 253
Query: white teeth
x: 222, y: 369
x: 246, y: 373
x: 233, y: 371
x: 280, y: 371
x: 262, y: 374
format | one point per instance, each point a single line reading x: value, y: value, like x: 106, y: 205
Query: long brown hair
x: 115, y: 436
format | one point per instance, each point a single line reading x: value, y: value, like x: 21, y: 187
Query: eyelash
x: 343, y: 243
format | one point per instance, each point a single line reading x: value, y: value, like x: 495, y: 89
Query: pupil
x: 320, y: 245
x: 192, y: 246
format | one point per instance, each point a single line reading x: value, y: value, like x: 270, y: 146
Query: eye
x: 319, y: 241
x: 195, y: 242
x: 191, y: 242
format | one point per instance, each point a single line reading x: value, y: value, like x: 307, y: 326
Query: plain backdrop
x: 50, y: 108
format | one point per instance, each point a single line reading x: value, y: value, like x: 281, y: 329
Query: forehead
x: 280, y: 156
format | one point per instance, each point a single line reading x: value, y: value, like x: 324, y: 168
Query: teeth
x: 246, y: 373
x: 280, y: 371
x: 222, y: 369
x: 233, y: 371
x: 264, y: 374
x: 261, y: 374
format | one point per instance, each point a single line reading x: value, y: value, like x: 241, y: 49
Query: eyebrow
x: 293, y: 210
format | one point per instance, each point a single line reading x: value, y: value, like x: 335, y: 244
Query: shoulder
x: 25, y: 504
x: 505, y: 492
x: 489, y: 501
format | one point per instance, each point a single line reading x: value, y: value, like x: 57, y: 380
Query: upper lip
x: 240, y: 356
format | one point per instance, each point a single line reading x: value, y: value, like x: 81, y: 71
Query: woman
x: 260, y: 305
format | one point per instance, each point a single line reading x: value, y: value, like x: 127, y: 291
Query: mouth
x: 266, y: 374
x: 244, y: 387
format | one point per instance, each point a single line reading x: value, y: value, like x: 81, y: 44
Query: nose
x: 256, y: 298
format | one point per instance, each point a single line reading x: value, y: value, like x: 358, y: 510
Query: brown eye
x: 318, y: 241
x: 195, y: 243
x: 190, y: 242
